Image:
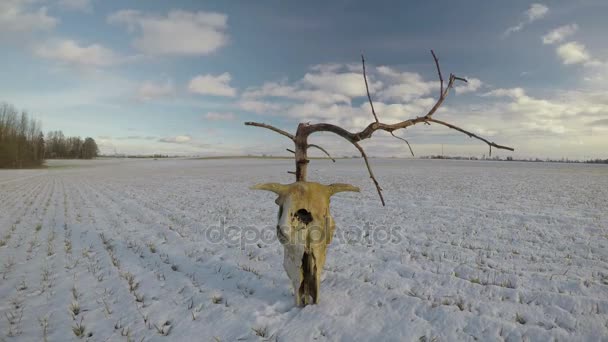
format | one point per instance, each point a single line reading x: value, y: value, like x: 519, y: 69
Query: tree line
x: 22, y: 142
x: 58, y: 146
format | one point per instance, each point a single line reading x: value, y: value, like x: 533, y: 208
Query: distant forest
x: 22, y: 143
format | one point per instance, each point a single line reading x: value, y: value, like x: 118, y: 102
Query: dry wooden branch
x: 371, y: 174
x: 322, y: 149
x: 272, y: 128
x: 407, y: 142
x: 472, y: 135
x: 369, y: 97
x: 306, y: 129
x: 438, y: 72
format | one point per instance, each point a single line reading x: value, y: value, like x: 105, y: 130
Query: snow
x: 463, y: 251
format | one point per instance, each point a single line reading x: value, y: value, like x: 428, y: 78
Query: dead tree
x: 304, y: 206
x: 304, y: 130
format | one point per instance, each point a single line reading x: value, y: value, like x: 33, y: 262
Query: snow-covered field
x: 181, y: 250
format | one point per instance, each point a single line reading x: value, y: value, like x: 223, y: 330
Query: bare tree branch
x: 369, y: 97
x: 322, y: 149
x: 443, y: 96
x: 272, y: 128
x: 292, y: 151
x: 407, y: 142
x: 439, y: 72
x: 471, y: 135
x: 371, y: 174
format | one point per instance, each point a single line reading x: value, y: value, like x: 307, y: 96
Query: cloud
x: 573, y: 53
x: 511, y: 92
x: 294, y: 92
x: 534, y: 13
x: 137, y: 137
x: 16, y: 16
x: 328, y: 91
x: 77, y: 5
x: 472, y: 85
x: 151, y: 91
x: 215, y: 116
x: 178, y: 33
x: 259, y: 107
x: 72, y: 53
x: 565, y: 112
x: 560, y: 34
x: 344, y: 83
x: 212, y: 85
x: 328, y: 84
x: 601, y: 122
x: 403, y: 86
x: 178, y: 139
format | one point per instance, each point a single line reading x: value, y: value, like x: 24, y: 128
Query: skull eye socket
x: 304, y: 216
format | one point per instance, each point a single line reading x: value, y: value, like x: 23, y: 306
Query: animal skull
x: 305, y: 228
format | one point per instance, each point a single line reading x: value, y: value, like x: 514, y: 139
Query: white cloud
x: 566, y: 109
x: 349, y: 84
x: 404, y: 86
x: 559, y: 34
x: 294, y: 92
x: 534, y: 13
x: 327, y: 95
x: 573, y: 53
x: 17, y: 16
x: 148, y: 91
x: 179, y: 139
x: 259, y: 107
x: 510, y: 92
x: 76, y: 5
x: 70, y: 52
x: 472, y: 85
x: 178, y: 33
x: 216, y: 116
x: 513, y: 29
x: 212, y: 85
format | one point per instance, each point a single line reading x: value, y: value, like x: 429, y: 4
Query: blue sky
x: 181, y: 77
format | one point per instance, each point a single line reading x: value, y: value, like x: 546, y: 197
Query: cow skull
x: 305, y: 228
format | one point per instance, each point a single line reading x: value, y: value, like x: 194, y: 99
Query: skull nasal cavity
x: 304, y: 215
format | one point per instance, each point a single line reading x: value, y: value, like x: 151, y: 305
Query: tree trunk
x: 301, y: 144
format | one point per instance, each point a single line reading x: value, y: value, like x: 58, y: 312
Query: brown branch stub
x: 369, y: 97
x: 322, y: 149
x: 272, y: 128
x: 290, y: 150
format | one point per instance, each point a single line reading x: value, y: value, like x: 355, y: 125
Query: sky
x: 181, y: 77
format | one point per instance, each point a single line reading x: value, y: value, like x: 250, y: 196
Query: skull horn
x: 274, y: 187
x: 340, y: 187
